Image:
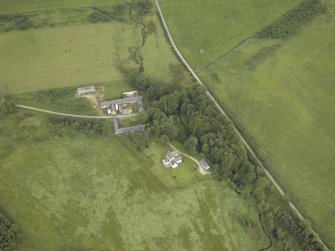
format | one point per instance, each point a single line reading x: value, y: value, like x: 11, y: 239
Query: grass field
x: 80, y: 53
x: 284, y: 105
x: 64, y: 56
x: 217, y: 26
x: 24, y: 6
x: 160, y: 61
x: 97, y: 192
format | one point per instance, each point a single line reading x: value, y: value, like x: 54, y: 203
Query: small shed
x: 85, y: 90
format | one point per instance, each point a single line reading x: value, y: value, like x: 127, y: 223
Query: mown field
x: 278, y: 90
x: 96, y: 192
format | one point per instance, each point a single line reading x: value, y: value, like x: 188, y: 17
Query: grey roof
x: 127, y: 100
x: 204, y: 164
x: 172, y: 155
x: 139, y: 128
x: 119, y: 130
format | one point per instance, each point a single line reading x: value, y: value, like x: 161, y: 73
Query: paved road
x: 74, y: 115
x: 251, y: 151
x: 201, y: 170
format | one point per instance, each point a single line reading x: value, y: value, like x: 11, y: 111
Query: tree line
x: 289, y: 24
x: 211, y: 134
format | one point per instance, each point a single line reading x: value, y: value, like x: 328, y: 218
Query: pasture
x: 283, y: 102
x: 97, y: 192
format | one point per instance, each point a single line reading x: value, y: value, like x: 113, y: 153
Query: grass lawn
x: 130, y: 121
x: 96, y: 192
x: 284, y: 106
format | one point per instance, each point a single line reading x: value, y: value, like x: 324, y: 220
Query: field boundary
x: 250, y: 150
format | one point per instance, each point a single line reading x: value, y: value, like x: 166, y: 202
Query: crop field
x: 97, y: 192
x: 278, y: 90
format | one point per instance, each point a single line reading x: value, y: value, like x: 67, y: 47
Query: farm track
x: 74, y: 115
x: 250, y: 150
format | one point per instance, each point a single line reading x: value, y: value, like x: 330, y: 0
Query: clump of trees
x: 9, y: 234
x: 117, y: 13
x: 142, y: 7
x: 140, y: 139
x: 7, y: 108
x: 154, y: 90
x: 290, y: 23
x: 16, y: 22
x: 80, y: 124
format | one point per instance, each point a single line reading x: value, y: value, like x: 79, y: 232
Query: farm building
x: 122, y: 105
x: 204, y: 164
x: 129, y: 94
x: 85, y: 90
x: 172, y: 159
x: 119, y: 130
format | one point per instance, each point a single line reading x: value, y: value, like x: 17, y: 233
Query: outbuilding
x: 85, y: 90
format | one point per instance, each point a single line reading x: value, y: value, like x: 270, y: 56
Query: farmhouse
x: 85, y: 90
x: 172, y: 159
x: 204, y: 164
x: 123, y: 105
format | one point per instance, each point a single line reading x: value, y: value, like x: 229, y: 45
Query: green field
x: 23, y: 6
x: 217, y: 26
x: 284, y: 105
x: 64, y: 56
x: 71, y: 189
x: 77, y: 53
x: 97, y: 192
